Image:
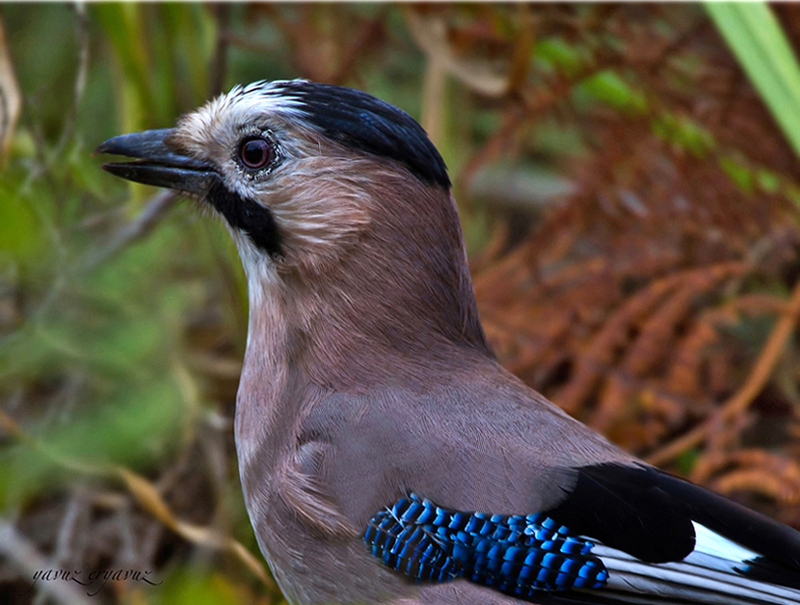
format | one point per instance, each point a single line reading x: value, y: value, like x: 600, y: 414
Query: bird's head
x: 331, y: 195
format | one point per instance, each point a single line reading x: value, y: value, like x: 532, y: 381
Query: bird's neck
x: 352, y: 336
x: 390, y: 301
x: 397, y: 309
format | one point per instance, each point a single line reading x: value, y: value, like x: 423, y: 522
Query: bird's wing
x: 535, y: 557
x: 492, y: 447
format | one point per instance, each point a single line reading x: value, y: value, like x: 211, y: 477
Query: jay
x: 385, y: 456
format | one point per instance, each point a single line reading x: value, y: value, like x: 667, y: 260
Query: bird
x: 385, y: 455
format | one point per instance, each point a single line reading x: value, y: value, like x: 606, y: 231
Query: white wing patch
x: 710, y: 543
x: 710, y: 574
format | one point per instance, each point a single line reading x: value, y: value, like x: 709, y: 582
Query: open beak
x: 157, y: 164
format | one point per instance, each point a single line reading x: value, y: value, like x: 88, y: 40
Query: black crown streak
x: 362, y: 122
x: 247, y: 215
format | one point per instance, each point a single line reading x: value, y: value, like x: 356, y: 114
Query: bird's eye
x: 255, y: 153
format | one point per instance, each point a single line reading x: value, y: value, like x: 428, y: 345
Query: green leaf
x: 123, y: 25
x: 19, y: 228
x: 755, y: 36
x: 768, y: 180
x: 556, y: 53
x: 608, y: 87
x: 685, y: 133
x: 738, y: 173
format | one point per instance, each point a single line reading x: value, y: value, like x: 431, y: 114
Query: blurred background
x: 628, y: 185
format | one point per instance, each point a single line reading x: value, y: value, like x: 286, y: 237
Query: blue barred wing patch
x: 521, y: 555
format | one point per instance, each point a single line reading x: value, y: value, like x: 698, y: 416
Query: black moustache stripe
x: 247, y: 215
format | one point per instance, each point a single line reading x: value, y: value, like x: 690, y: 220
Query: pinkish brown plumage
x: 368, y: 382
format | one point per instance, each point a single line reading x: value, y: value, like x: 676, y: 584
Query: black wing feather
x: 626, y: 508
x: 648, y: 513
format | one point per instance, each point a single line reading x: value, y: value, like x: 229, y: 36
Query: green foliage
x: 739, y: 174
x: 554, y: 54
x: 685, y: 133
x: 756, y: 37
x: 133, y: 427
x: 18, y: 227
x: 186, y: 588
x: 93, y: 350
x: 609, y: 88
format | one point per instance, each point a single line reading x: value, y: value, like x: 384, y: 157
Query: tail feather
x: 715, y: 573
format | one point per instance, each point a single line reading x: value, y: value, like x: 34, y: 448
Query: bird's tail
x: 717, y: 572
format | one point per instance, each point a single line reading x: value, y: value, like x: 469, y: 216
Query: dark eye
x: 255, y: 153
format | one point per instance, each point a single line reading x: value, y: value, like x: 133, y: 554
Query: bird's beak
x: 157, y: 164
